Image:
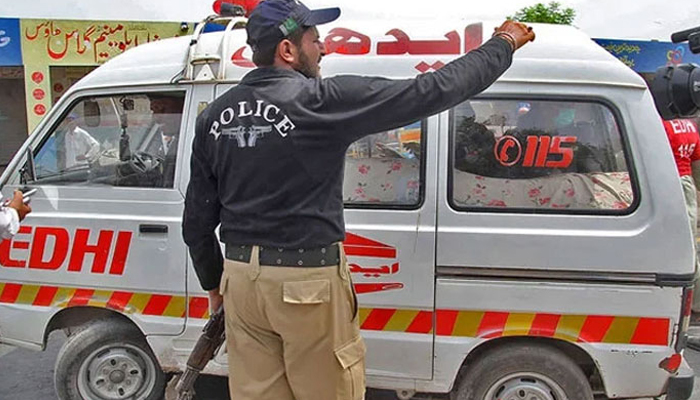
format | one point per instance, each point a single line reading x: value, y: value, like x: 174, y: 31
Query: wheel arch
x: 73, y: 318
x: 577, y: 354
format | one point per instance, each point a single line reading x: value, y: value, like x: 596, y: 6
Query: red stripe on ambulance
x: 198, y: 307
x: 356, y: 245
x: 595, y: 328
x: 544, y: 325
x: 445, y: 322
x: 157, y: 304
x: 475, y: 324
x: 377, y: 319
x: 422, y: 323
x: 10, y: 293
x: 81, y: 297
x: 492, y: 324
x: 651, y: 331
x: 119, y: 300
x: 45, y: 296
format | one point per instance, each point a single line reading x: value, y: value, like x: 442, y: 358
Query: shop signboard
x: 10, y: 44
x: 77, y: 43
x: 646, y: 57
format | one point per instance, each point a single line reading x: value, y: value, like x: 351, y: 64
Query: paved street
x: 28, y: 375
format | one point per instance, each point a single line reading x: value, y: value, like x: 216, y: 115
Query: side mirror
x: 27, y: 173
x: 676, y: 91
x: 91, y: 111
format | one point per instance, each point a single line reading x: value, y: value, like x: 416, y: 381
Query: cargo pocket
x: 351, y: 357
x: 355, y: 303
x: 307, y: 292
x: 223, y: 290
x: 344, y: 273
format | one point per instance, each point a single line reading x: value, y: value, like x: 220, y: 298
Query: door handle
x: 153, y: 228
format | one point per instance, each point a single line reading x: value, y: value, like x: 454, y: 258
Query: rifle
x: 213, y: 336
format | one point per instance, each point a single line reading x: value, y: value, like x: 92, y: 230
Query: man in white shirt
x: 81, y: 148
x: 11, y: 214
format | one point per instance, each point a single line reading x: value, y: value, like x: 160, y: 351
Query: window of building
x: 538, y: 155
x: 63, y: 77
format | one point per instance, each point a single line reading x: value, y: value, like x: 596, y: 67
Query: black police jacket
x: 268, y: 155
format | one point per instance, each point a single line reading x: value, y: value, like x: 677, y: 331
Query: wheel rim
x: 117, y: 372
x: 525, y: 386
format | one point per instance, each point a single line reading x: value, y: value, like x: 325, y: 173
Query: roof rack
x: 201, y: 65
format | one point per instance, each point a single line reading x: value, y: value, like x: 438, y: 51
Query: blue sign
x: 648, y: 56
x: 212, y: 28
x: 10, y: 45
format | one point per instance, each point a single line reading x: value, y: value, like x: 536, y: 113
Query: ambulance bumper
x: 680, y: 387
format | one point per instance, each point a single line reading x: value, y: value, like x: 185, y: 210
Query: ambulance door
x: 544, y: 227
x: 202, y: 95
x: 389, y: 193
x: 198, y: 300
x: 105, y: 227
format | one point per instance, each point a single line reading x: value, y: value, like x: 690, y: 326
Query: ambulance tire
x: 108, y: 360
x: 527, y: 371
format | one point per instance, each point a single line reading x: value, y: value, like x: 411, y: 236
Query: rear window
x: 385, y: 170
x: 538, y: 155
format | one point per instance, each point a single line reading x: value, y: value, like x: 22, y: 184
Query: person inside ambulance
x: 553, y: 118
x: 474, y: 145
x: 11, y: 214
x: 167, y: 116
x: 80, y: 148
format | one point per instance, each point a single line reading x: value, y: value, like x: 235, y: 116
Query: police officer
x: 11, y: 214
x: 267, y: 165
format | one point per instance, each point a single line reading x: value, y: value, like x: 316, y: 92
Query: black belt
x: 317, y: 257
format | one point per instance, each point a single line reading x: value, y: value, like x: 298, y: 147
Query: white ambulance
x: 531, y: 243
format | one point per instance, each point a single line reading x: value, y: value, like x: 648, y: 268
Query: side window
x: 544, y: 155
x: 126, y: 140
x: 385, y: 169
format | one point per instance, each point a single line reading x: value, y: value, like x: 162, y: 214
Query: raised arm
x: 354, y: 106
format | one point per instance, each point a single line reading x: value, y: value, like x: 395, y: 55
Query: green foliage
x: 551, y: 13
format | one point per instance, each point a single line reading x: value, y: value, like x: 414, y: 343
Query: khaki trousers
x: 292, y: 333
x: 691, y: 203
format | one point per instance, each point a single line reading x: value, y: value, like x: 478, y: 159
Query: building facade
x: 41, y: 58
